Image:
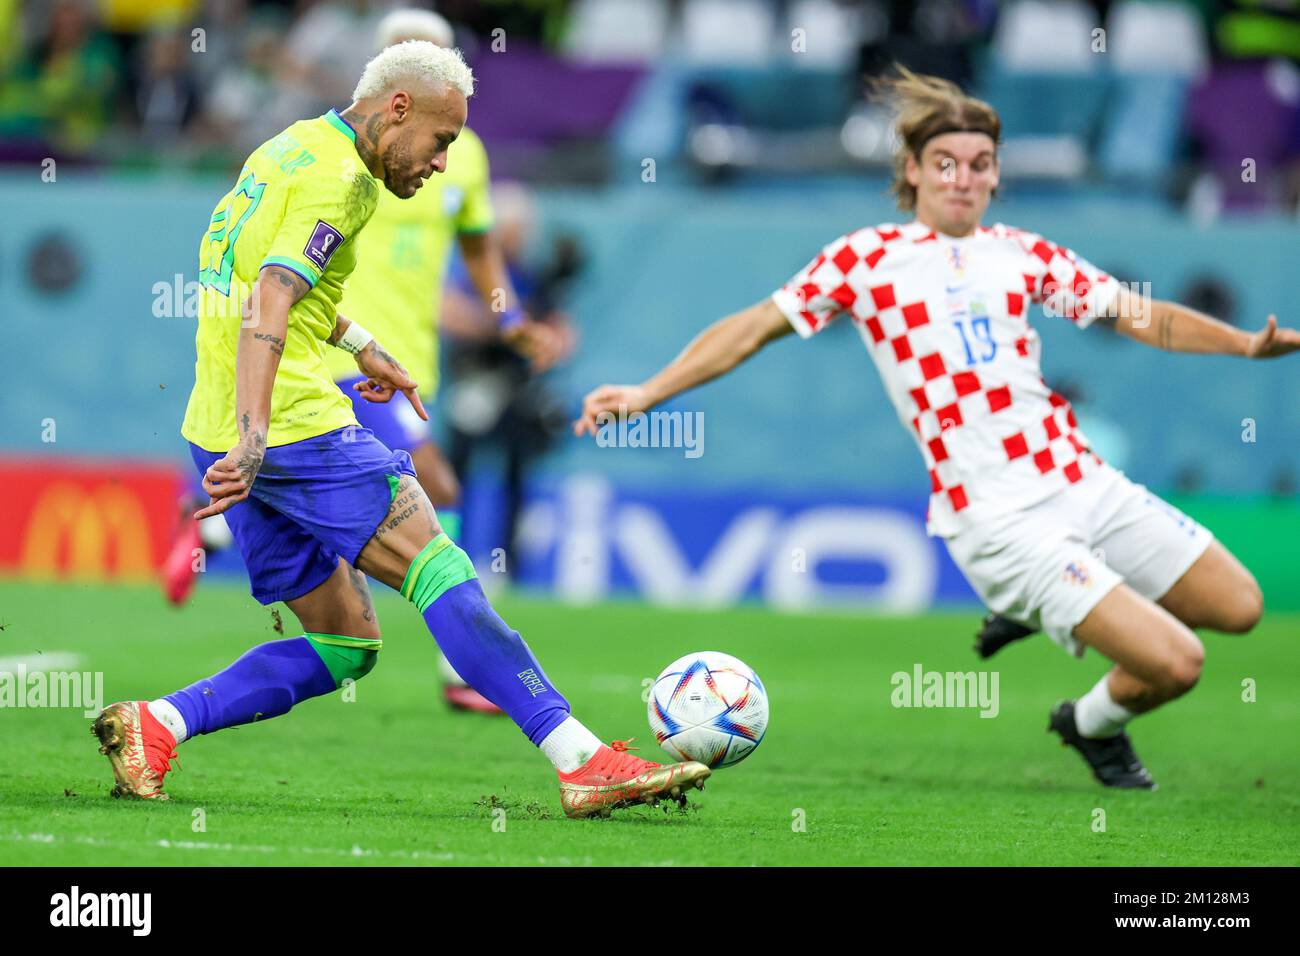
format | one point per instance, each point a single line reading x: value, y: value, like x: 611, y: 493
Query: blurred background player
x: 314, y: 501
x: 495, y: 399
x: 1045, y: 532
x: 395, y: 292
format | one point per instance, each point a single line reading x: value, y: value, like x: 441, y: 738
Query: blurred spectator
x: 11, y: 34
x: 493, y: 397
x: 134, y: 79
x: 62, y: 91
x: 1250, y: 29
x: 227, y: 25
x: 167, y: 96
x: 247, y: 100
x: 520, y: 19
x: 329, y: 45
x: 938, y: 37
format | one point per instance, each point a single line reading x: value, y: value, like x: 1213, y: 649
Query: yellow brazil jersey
x: 300, y: 202
x: 396, y: 290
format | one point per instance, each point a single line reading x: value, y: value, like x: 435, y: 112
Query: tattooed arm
x: 262, y: 336
x: 1176, y: 328
x: 261, y: 344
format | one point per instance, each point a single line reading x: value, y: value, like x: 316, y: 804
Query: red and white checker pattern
x: 993, y: 436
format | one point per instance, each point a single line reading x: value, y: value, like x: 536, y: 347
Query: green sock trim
x: 394, y: 482
x: 346, y: 657
x: 342, y: 640
x: 438, y: 567
x: 424, y: 557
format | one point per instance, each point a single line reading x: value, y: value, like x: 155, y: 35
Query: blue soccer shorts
x: 313, y: 502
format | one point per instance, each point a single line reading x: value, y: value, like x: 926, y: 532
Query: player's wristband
x: 354, y: 339
x: 511, y: 318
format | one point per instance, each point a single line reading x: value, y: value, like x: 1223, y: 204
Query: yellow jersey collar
x: 340, y: 124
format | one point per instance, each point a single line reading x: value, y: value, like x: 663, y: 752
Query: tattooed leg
x: 410, y: 552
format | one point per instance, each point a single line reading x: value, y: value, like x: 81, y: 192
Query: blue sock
x: 270, y: 679
x: 492, y: 658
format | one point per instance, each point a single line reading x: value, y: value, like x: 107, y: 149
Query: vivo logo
x: 587, y: 530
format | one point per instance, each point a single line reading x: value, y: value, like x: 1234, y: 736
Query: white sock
x: 167, y: 715
x: 215, y: 533
x: 569, y: 745
x: 1097, y: 715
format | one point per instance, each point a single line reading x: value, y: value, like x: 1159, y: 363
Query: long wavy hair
x: 926, y: 107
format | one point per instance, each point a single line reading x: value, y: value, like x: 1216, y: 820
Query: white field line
x: 356, y: 852
x: 52, y: 661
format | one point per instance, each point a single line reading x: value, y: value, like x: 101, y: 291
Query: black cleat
x: 1112, y: 759
x: 997, y: 632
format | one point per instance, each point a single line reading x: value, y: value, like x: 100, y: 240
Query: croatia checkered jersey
x: 946, y: 322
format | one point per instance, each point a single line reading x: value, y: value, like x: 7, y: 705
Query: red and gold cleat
x: 178, y: 574
x: 614, y: 778
x: 139, y: 748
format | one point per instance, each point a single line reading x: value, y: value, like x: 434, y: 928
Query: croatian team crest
x: 322, y: 245
x: 1076, y: 573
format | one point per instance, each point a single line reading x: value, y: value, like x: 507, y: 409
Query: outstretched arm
x: 714, y: 352
x: 1176, y: 328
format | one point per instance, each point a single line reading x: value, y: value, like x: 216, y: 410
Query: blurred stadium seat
x: 1049, y: 119
x: 727, y: 31
x: 617, y: 31
x: 1156, y: 37
x: 832, y: 33
x: 1046, y: 36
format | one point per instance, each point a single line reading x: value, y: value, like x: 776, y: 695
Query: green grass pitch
x: 395, y: 778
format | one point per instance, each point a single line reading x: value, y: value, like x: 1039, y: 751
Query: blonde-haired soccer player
x: 1025, y: 507
x: 314, y: 502
x: 396, y: 292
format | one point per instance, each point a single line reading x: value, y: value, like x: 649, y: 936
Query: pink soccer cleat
x: 178, y: 574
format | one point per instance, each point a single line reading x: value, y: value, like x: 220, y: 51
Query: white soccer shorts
x: 1050, y: 564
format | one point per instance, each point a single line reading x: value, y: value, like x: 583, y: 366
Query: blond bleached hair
x: 412, y: 23
x: 926, y: 107
x: 414, y: 63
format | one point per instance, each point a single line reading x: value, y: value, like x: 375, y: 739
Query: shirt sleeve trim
x: 789, y: 307
x: 1103, y: 301
x: 309, y: 275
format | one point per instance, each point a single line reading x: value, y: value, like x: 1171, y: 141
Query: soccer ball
x: 708, y: 707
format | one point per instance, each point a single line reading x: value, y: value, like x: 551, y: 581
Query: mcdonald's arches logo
x: 90, y: 521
